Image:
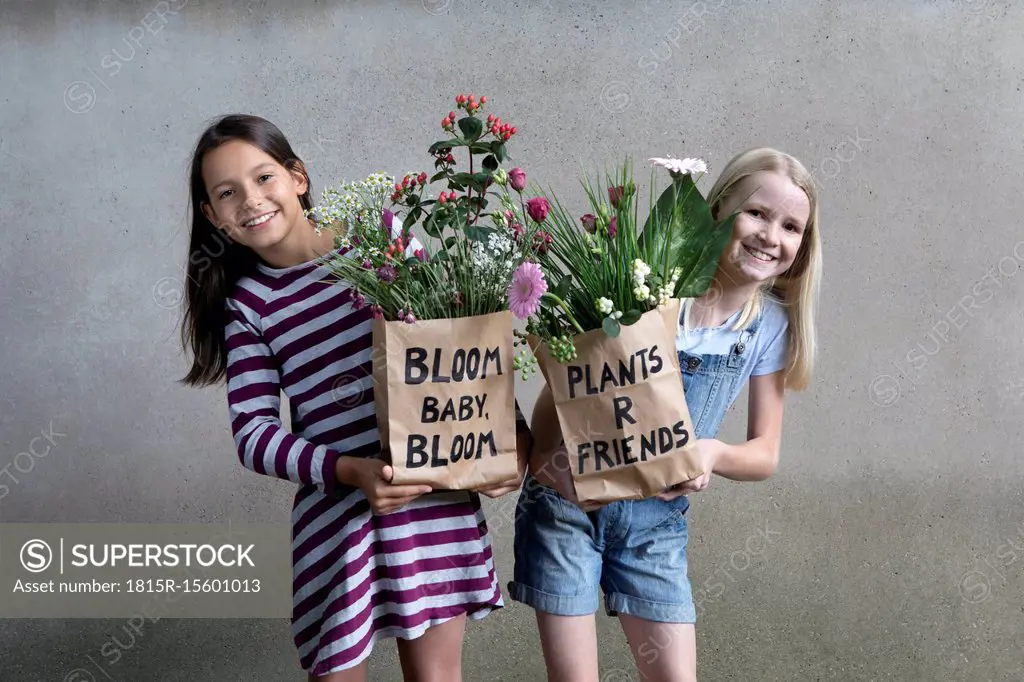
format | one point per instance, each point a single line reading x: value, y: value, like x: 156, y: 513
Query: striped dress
x: 357, y: 577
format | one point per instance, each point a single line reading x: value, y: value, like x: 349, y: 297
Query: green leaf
x: 442, y: 144
x: 695, y: 242
x: 630, y: 317
x: 697, y: 280
x: 475, y: 180
x: 498, y: 149
x: 434, y: 225
x: 477, y: 233
x: 611, y: 327
x: 451, y: 241
x: 413, y: 200
x: 437, y: 176
x: 471, y: 127
x: 478, y: 203
x: 410, y: 220
x: 480, y: 148
x: 442, y: 255
x: 490, y: 162
x: 562, y: 290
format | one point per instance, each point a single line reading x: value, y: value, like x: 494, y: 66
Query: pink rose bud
x: 538, y: 208
x: 589, y: 222
x: 517, y: 178
x: 613, y: 227
x: 389, y: 218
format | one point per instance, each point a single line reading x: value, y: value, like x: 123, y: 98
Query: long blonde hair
x: 797, y: 288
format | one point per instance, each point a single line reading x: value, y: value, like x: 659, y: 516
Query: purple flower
x: 389, y: 218
x: 589, y: 222
x: 421, y: 254
x: 517, y: 178
x: 387, y: 273
x: 367, y: 264
x: 538, y: 208
x: 613, y: 227
x: 524, y: 294
x: 616, y: 194
x: 541, y: 240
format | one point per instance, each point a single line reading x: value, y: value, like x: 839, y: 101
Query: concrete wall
x: 889, y: 544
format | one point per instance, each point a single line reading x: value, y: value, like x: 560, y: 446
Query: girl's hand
x: 524, y: 442
x: 709, y: 449
x: 373, y: 477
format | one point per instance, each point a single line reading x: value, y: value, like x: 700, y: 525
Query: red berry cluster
x: 499, y: 129
x: 445, y: 198
x: 443, y: 156
x: 397, y: 247
x: 469, y: 103
x: 448, y: 122
x: 408, y: 184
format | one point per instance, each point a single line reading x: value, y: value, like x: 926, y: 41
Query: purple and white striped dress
x: 357, y: 577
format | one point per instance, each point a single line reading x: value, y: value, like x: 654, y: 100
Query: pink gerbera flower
x: 524, y: 294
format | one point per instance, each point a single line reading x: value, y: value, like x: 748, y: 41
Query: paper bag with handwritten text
x: 622, y: 411
x: 445, y: 398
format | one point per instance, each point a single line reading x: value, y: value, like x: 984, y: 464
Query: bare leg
x: 570, y: 647
x: 356, y: 674
x: 436, y: 655
x: 664, y: 652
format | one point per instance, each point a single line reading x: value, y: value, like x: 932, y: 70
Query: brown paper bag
x: 622, y: 412
x: 445, y: 397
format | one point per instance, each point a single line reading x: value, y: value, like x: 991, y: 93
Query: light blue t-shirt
x: 770, y: 342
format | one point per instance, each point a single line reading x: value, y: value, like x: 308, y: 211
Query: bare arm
x: 757, y: 459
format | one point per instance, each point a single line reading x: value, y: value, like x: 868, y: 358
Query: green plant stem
x: 469, y: 189
x: 562, y: 304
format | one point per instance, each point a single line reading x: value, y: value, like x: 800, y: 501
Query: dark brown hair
x: 215, y: 262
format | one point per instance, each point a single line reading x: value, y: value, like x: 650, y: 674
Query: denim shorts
x: 634, y: 550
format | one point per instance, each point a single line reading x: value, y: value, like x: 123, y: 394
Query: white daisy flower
x: 681, y: 166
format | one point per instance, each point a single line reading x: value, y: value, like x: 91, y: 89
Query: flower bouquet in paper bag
x: 443, y: 342
x: 604, y: 334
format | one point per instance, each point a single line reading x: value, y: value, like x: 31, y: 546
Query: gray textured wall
x: 895, y: 524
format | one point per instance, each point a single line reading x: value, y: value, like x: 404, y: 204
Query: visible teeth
x: 260, y: 220
x: 759, y: 255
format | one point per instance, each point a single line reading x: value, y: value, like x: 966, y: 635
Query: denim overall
x: 712, y: 382
x: 634, y: 550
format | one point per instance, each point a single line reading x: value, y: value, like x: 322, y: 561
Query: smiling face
x: 252, y: 197
x: 769, y: 227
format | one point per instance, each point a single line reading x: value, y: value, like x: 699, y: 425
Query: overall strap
x: 736, y: 353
